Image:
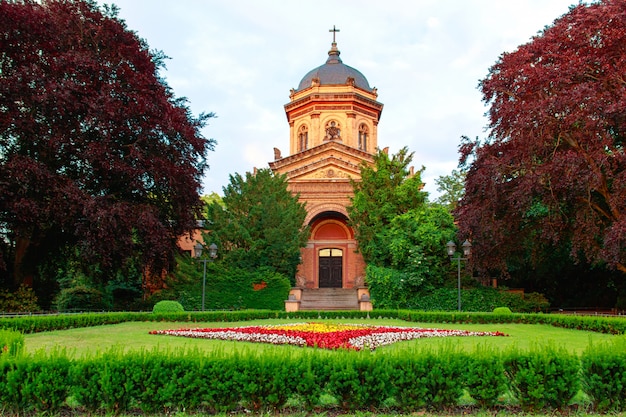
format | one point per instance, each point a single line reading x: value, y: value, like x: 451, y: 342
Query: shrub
x: 168, y: 306
x: 544, y: 378
x: 20, y: 301
x: 359, y: 382
x: 428, y: 379
x: 484, y: 376
x: 502, y: 310
x: 81, y: 298
x: 11, y: 342
x: 477, y: 299
x: 226, y: 289
x: 604, y: 375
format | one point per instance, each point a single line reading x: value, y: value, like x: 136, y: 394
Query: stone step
x: 329, y: 299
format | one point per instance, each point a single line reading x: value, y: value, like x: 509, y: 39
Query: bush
x: 81, y: 298
x: 226, y: 289
x: 484, y: 377
x: 502, y: 310
x: 480, y: 299
x: 604, y: 375
x: 21, y: 301
x: 428, y: 379
x: 168, y: 306
x: 544, y: 378
x: 11, y: 342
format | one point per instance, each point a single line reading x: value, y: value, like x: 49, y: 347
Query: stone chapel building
x: 333, y: 119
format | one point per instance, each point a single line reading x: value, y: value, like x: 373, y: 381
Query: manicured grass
x: 135, y: 336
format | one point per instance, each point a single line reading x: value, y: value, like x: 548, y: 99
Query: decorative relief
x: 330, y: 173
x: 359, y: 281
x: 332, y: 131
x: 300, y: 281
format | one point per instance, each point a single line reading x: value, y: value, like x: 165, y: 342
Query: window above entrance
x: 331, y: 252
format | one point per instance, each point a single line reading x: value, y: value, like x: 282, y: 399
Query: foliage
x: 386, y: 191
x: 430, y: 380
x: 392, y: 289
x: 11, y: 342
x: 604, y: 375
x: 400, y: 235
x: 168, y: 306
x: 192, y: 381
x: 20, y: 301
x: 226, y: 287
x: 81, y: 298
x: 484, y: 376
x: 452, y: 188
x: 259, y: 224
x: 543, y: 378
x: 502, y: 310
x: 96, y: 152
x: 552, y: 172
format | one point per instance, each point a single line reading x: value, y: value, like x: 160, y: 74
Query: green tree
x: 401, y: 235
x: 260, y: 224
x: 452, y: 188
x: 386, y: 190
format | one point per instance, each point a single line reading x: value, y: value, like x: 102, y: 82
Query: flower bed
x: 321, y: 335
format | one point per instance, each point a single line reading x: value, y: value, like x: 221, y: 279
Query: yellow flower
x: 317, y: 327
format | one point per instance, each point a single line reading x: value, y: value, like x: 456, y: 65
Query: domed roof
x: 334, y: 72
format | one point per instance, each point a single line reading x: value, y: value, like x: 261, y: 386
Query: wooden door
x: 331, y: 268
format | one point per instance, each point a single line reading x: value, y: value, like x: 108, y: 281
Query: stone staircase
x: 329, y: 299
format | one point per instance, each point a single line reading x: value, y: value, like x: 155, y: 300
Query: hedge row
x: 275, y: 380
x: 34, y: 324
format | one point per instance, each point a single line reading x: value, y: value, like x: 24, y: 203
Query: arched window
x: 363, y: 136
x: 303, y: 139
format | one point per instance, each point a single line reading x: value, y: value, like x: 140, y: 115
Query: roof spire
x: 333, y: 54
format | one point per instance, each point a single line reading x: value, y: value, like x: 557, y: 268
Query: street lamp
x: 197, y: 253
x: 467, y: 249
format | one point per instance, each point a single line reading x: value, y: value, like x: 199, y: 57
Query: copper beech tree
x: 553, y: 169
x: 96, y: 152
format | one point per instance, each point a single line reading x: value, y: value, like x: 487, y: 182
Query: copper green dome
x: 334, y: 72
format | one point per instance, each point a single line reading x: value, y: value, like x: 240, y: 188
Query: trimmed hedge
x: 604, y: 375
x: 275, y: 379
x: 34, y: 323
x: 114, y: 382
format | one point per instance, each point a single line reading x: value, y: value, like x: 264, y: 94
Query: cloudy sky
x: 240, y: 58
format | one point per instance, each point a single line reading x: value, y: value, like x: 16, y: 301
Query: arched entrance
x: 330, y: 258
x: 330, y: 268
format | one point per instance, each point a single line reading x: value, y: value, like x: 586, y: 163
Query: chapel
x: 333, y: 118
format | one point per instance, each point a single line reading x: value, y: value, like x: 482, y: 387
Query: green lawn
x: 135, y: 336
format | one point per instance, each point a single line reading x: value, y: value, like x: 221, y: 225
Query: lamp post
x: 467, y: 249
x: 197, y: 253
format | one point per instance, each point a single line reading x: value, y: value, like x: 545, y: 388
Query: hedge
x: 42, y: 323
x: 272, y: 381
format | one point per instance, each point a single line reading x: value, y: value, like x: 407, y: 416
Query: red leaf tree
x: 553, y: 170
x: 96, y: 153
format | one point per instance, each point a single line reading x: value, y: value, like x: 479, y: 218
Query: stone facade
x: 333, y: 118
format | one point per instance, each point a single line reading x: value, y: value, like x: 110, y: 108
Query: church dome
x: 334, y: 72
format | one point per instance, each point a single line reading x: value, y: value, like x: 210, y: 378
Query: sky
x: 239, y: 59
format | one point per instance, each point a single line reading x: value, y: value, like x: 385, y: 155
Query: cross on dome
x: 334, y: 30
